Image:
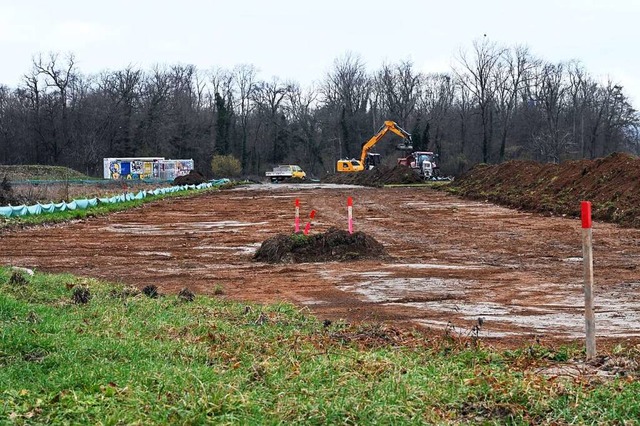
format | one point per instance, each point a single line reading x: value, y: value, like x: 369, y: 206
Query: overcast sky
x: 299, y: 40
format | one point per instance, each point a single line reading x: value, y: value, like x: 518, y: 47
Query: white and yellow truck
x: 287, y: 171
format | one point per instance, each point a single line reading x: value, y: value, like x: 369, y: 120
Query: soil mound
x: 612, y: 184
x: 192, y: 178
x: 377, y: 177
x: 295, y: 180
x: 333, y: 245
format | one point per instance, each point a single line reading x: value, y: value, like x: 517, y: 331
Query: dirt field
x: 453, y: 260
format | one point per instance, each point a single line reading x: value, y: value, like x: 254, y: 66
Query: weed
x: 124, y: 293
x: 186, y: 295
x: 150, y: 291
x: 17, y: 278
x: 81, y: 295
x: 299, y: 239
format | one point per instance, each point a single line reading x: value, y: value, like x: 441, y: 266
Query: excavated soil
x: 192, y: 178
x: 333, y: 245
x: 376, y: 177
x: 612, y: 184
x: 451, y: 261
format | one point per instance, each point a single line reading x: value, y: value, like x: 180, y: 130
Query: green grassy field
x: 126, y: 358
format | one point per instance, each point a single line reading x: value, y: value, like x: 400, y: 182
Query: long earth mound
x: 612, y: 184
x: 333, y: 245
x: 378, y: 176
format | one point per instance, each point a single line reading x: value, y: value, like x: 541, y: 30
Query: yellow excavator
x: 368, y: 160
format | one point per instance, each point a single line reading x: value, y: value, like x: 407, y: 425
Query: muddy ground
x: 452, y: 260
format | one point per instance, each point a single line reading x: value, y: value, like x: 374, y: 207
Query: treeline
x: 497, y: 103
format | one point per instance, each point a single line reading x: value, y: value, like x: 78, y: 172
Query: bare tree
x: 124, y: 91
x: 59, y: 76
x: 398, y: 87
x: 5, y: 141
x: 552, y: 140
x: 436, y: 101
x: 304, y: 122
x: 244, y: 78
x: 345, y: 95
x: 480, y: 71
x: 268, y: 97
x: 511, y: 73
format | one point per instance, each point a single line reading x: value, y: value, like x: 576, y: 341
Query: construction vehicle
x: 282, y: 172
x: 369, y: 160
x: 423, y: 163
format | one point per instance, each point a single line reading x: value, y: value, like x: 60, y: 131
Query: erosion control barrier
x: 85, y: 203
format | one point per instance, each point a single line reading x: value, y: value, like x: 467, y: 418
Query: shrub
x: 225, y: 166
x: 150, y: 291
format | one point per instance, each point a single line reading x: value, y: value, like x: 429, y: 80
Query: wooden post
x: 587, y: 257
x: 350, y: 214
x: 297, y: 219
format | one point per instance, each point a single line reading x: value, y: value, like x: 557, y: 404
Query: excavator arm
x: 388, y: 126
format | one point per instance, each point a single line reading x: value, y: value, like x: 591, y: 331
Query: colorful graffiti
x: 157, y: 168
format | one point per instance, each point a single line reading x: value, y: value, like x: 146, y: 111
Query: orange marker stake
x: 350, y: 213
x: 297, y: 219
x: 307, y: 227
x: 587, y: 259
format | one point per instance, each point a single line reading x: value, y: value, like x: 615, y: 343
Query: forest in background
x: 497, y: 103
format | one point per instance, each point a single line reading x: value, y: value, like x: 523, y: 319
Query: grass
x: 124, y: 358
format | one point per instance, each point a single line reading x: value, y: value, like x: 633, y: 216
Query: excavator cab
x: 372, y: 160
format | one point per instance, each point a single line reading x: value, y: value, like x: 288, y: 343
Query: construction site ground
x: 452, y: 261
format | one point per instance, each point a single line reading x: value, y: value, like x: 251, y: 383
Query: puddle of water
x: 376, y: 274
x: 434, y: 266
x: 225, y: 224
x: 248, y: 249
x: 553, y: 308
x: 567, y: 324
x: 173, y: 229
x: 136, y: 228
x: 396, y: 289
x: 314, y: 302
x: 469, y: 311
x: 154, y: 253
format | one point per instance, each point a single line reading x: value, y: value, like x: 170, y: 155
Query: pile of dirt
x: 192, y: 178
x: 333, y: 245
x: 612, y: 184
x: 295, y: 180
x: 378, y: 176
